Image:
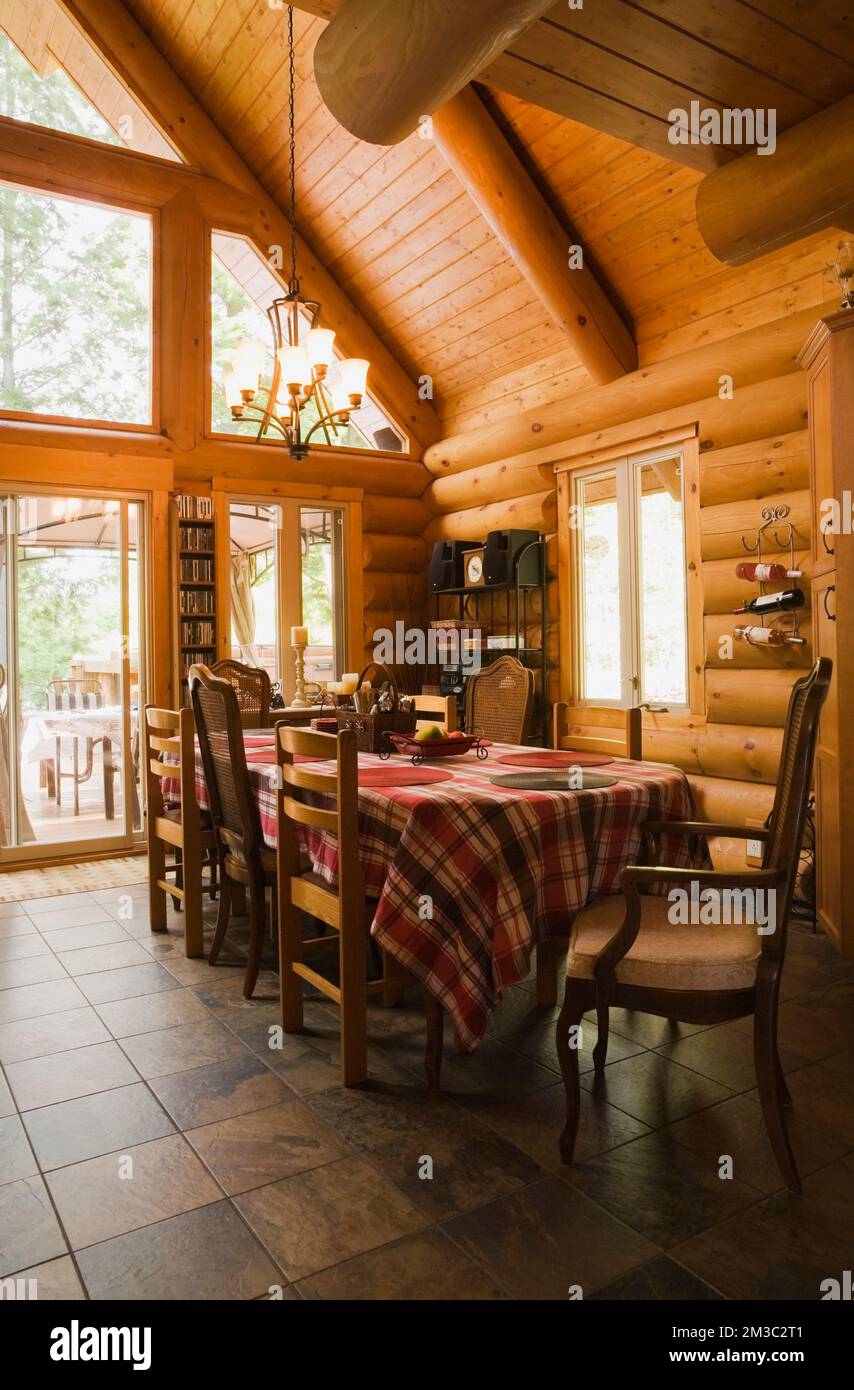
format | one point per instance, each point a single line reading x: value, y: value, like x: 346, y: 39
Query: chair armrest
x: 699, y: 827
x: 636, y: 875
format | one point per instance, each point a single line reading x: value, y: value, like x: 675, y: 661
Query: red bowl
x: 435, y: 747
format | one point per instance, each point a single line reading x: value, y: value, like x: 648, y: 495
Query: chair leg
x: 547, y: 961
x: 212, y: 885
x: 194, y: 932
x: 257, y: 925
x: 785, y: 1096
x: 600, y: 1051
x: 156, y: 896
x: 222, y: 918
x: 179, y: 876
x: 75, y: 765
x: 570, y: 1017
x: 435, y: 1016
x: 768, y: 1080
x: 395, y: 979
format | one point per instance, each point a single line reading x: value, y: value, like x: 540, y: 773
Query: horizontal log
x: 761, y: 468
x: 754, y: 356
x: 723, y: 800
x: 722, y: 527
x: 741, y: 752
x: 406, y: 516
x: 392, y: 589
x: 743, y: 656
x: 723, y: 590
x: 533, y: 513
x: 494, y: 482
x: 402, y: 553
x: 740, y: 697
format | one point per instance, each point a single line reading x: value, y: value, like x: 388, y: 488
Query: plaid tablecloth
x: 469, y: 876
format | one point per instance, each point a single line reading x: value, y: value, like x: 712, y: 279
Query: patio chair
x: 499, y: 700
x: 625, y: 952
x: 70, y: 692
x: 252, y: 686
x: 243, y: 857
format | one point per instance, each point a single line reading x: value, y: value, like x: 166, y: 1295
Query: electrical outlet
x: 754, y: 849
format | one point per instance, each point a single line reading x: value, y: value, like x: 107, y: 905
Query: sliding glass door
x: 72, y: 673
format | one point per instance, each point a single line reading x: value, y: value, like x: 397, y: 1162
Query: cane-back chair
x: 631, y: 950
x: 253, y: 689
x: 499, y: 700
x: 243, y: 857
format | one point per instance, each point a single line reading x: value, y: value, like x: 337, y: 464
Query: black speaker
x: 446, y: 564
x: 502, y: 547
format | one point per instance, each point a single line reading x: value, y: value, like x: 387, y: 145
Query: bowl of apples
x: 432, y: 741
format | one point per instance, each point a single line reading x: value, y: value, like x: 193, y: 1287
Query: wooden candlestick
x: 299, y: 701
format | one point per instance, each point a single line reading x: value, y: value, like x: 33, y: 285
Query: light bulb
x: 354, y: 375
x: 247, y: 365
x: 318, y: 343
x: 295, y: 366
x: 336, y: 388
x: 231, y: 386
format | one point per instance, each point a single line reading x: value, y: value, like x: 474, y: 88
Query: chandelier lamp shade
x: 311, y: 391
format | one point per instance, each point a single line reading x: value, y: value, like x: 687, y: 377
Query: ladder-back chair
x: 598, y: 729
x: 176, y: 821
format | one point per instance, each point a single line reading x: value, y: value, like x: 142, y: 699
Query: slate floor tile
x: 63, y: 1075
x: 97, y: 1124
x: 423, y: 1266
x: 219, y: 1091
x: 29, y: 1230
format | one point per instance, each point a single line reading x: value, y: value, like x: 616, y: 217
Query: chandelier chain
x: 292, y: 135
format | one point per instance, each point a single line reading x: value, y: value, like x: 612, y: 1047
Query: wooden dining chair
x: 626, y: 951
x: 243, y: 857
x: 499, y: 700
x: 598, y: 729
x: 332, y: 810
x: 169, y: 741
x: 433, y: 709
x: 253, y: 689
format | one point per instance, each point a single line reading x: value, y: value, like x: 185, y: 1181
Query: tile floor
x: 152, y: 1145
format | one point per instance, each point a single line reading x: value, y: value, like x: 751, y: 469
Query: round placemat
x: 391, y: 776
x: 553, y: 781
x: 548, y: 758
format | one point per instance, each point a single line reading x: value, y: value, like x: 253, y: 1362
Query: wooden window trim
x: 686, y: 440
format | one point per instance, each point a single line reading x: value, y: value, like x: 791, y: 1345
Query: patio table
x: 44, y: 726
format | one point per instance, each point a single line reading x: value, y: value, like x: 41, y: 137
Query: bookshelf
x: 196, y: 616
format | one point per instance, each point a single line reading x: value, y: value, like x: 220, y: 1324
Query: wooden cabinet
x: 829, y: 359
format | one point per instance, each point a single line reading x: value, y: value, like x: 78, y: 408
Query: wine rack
x: 196, y: 617
x: 773, y: 521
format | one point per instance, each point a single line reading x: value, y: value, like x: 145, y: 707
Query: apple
x: 430, y: 733
x: 458, y: 734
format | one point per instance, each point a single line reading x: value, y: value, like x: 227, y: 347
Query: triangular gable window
x: 50, y: 75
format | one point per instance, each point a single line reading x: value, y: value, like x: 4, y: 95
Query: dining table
x: 469, y: 875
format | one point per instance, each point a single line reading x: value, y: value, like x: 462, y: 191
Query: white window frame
x: 626, y: 472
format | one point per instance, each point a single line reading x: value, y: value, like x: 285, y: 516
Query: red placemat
x: 555, y: 758
x: 396, y: 776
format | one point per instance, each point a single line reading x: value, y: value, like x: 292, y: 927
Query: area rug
x: 17, y: 885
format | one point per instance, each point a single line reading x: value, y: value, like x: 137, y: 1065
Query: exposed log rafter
x: 525, y: 225
x: 382, y: 65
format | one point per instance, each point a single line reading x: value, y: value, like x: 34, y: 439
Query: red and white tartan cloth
x: 470, y: 876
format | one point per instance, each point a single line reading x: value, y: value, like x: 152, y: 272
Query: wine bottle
x: 768, y: 637
x: 774, y: 603
x: 762, y: 573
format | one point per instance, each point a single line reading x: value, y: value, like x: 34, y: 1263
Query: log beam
x: 523, y: 222
x: 383, y: 65
x: 138, y: 63
x: 756, y: 204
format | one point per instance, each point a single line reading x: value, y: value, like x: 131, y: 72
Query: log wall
x: 753, y: 450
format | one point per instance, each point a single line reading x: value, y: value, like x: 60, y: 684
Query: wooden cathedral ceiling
x: 403, y: 238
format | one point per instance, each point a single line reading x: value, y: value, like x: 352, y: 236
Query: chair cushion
x: 664, y: 955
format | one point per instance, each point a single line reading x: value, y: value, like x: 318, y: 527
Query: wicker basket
x: 371, y: 729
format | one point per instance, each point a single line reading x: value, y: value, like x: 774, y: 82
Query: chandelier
x: 310, y: 390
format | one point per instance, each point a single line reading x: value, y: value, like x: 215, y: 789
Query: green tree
x: 74, y: 279
x: 85, y: 594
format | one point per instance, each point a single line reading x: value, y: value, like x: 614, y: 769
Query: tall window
x: 629, y: 558
x: 75, y: 309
